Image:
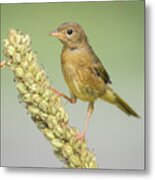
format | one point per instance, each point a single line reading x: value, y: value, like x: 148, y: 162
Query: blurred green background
x: 116, y: 32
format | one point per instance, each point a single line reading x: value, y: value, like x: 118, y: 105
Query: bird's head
x: 70, y: 34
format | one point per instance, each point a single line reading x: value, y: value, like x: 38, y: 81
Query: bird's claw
x: 2, y: 64
x: 56, y: 92
x: 80, y: 136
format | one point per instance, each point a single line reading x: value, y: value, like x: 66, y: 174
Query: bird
x: 85, y: 75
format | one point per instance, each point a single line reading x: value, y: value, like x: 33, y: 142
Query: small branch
x: 43, y: 105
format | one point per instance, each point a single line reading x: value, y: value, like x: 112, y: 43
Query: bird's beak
x: 56, y: 34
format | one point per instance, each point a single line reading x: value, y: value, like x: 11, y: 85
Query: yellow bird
x: 86, y: 77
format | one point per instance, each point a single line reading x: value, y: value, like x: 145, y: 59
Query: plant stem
x: 44, y: 106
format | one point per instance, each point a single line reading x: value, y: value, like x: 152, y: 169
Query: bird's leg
x: 71, y: 99
x: 2, y: 64
x: 80, y: 136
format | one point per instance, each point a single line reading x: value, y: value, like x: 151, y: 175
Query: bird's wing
x: 100, y: 70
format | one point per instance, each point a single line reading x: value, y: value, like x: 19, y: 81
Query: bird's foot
x: 2, y: 64
x: 59, y: 94
x: 56, y: 92
x: 80, y: 136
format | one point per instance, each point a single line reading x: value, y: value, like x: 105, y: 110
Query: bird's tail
x: 111, y: 97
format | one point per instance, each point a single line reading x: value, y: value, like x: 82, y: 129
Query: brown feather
x: 84, y: 73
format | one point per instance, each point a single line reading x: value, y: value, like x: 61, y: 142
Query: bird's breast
x: 73, y: 77
x: 77, y: 74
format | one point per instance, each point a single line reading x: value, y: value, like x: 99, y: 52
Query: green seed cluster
x: 43, y: 105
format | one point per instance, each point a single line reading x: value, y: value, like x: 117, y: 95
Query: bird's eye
x: 69, y: 31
